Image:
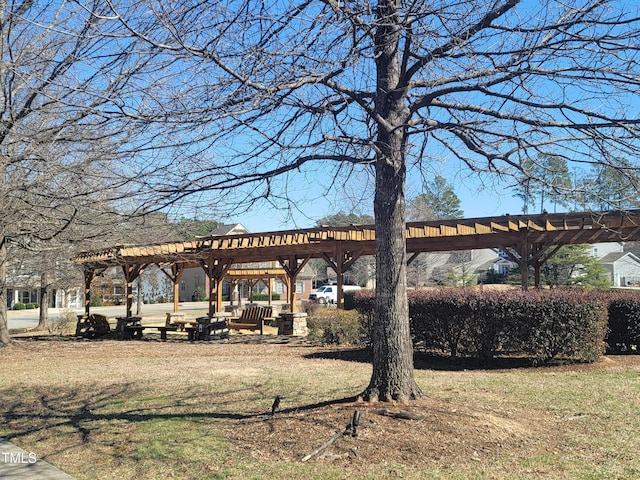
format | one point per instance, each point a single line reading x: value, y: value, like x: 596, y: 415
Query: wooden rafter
x: 342, y: 245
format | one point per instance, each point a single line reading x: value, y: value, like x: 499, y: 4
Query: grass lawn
x: 156, y: 410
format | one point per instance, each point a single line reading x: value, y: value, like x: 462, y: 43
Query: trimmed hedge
x: 541, y: 325
x: 335, y: 326
x: 624, y: 323
x: 262, y: 297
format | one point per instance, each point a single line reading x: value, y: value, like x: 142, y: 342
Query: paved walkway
x: 18, y: 464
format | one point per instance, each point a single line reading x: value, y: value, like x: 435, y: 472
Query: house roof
x: 236, y: 228
x: 613, y: 257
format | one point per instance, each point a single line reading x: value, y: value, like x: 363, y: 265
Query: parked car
x: 329, y: 293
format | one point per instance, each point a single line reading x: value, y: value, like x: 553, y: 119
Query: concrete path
x: 18, y: 464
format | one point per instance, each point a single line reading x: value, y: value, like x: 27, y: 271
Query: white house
x: 624, y: 268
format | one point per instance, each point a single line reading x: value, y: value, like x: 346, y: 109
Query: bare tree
x: 63, y: 143
x: 259, y: 91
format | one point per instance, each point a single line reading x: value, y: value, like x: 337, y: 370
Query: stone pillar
x: 293, y: 324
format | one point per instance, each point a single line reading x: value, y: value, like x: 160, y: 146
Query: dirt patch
x: 424, y: 432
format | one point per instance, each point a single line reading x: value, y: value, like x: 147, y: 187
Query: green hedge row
x: 624, y: 323
x: 263, y: 297
x: 542, y: 325
x: 25, y: 306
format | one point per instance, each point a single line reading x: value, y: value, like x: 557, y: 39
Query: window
x: 299, y: 287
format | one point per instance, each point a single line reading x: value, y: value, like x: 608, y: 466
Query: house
x: 624, y: 268
x: 24, y: 287
x: 194, y: 280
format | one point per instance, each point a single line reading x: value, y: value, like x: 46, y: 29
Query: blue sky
x: 479, y: 197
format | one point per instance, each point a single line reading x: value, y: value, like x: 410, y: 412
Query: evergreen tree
x: 438, y: 202
x: 574, y: 265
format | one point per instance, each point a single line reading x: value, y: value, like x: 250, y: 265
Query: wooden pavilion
x: 529, y: 240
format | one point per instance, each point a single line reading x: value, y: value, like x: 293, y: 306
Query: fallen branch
x: 332, y: 440
x: 351, y: 427
x: 403, y: 415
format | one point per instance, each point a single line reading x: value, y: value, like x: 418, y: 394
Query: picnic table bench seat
x: 163, y: 329
x: 252, y: 318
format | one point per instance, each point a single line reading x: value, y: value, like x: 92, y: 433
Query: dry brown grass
x: 108, y: 409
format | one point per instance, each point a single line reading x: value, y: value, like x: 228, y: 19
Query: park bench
x: 252, y: 318
x: 93, y: 326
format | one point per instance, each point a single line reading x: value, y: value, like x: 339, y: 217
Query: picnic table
x: 129, y: 328
x: 207, y: 328
x: 179, y: 320
x: 93, y: 326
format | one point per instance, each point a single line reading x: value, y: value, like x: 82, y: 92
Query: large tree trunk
x: 392, y: 377
x: 4, y: 326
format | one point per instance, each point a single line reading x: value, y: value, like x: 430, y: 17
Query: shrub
x: 31, y: 306
x: 60, y: 325
x: 541, y: 324
x: 364, y: 305
x: 624, y: 322
x: 334, y: 326
x: 489, y: 323
x: 262, y: 297
x: 199, y: 295
x: 310, y: 308
x: 96, y: 301
x: 567, y: 323
x: 19, y: 306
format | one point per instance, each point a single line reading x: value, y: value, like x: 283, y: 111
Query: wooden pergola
x: 529, y: 240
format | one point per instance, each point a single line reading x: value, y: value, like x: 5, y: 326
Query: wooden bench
x: 164, y: 329
x: 93, y: 326
x: 252, y: 318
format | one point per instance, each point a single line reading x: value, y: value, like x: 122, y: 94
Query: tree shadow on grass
x: 66, y: 419
x: 90, y: 415
x: 432, y: 361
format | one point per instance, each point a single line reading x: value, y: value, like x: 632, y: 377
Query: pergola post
x: 131, y: 272
x: 292, y: 267
x: 215, y: 269
x: 340, y: 263
x: 176, y: 274
x: 177, y: 269
x: 232, y: 287
x: 90, y: 274
x: 267, y: 281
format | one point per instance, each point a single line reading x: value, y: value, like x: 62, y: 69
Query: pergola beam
x: 529, y: 235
